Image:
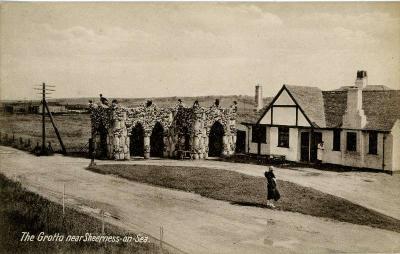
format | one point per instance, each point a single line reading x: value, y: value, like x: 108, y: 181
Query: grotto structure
x: 151, y: 131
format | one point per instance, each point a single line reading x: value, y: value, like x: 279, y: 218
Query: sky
x: 194, y: 49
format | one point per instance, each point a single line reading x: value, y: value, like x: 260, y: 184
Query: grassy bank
x: 23, y: 211
x: 241, y: 189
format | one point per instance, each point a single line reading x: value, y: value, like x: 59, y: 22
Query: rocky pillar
x: 201, y: 145
x: 116, y: 147
x: 128, y: 146
x: 174, y: 145
x: 206, y: 141
x: 120, y: 139
x: 196, y: 147
x: 146, y: 143
x: 166, y: 146
x: 233, y: 144
x: 225, y: 142
x: 110, y: 146
x: 171, y: 146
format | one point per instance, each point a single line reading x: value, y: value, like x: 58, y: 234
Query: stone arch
x: 216, y: 140
x: 137, y: 140
x: 157, y: 141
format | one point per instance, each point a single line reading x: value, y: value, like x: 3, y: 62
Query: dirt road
x: 191, y: 223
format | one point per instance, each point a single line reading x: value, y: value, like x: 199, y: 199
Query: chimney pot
x: 362, y: 79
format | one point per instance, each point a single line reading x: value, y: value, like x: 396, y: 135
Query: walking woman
x: 272, y: 190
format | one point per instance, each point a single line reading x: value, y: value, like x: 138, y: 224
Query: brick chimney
x: 258, y: 98
x: 354, y: 116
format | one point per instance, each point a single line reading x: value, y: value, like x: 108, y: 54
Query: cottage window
x: 259, y: 134
x: 336, y: 140
x: 373, y: 143
x: 351, y: 141
x: 283, y: 137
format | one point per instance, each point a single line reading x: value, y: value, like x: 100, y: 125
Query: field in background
x: 74, y: 129
x: 244, y: 101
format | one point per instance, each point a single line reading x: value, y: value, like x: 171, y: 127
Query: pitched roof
x: 326, y: 108
x: 311, y: 102
x: 381, y: 107
x: 335, y: 103
x: 368, y: 87
x: 250, y: 116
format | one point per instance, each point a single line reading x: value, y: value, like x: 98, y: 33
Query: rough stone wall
x: 179, y: 122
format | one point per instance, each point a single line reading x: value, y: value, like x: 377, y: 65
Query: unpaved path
x: 191, y: 222
x: 376, y: 191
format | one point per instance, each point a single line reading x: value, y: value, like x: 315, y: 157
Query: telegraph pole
x: 44, y: 151
x: 44, y: 108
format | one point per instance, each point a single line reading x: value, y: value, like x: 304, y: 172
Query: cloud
x: 208, y: 47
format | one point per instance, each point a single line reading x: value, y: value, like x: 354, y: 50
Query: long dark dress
x: 272, y: 191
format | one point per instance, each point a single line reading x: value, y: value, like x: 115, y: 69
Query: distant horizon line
x: 160, y: 97
x: 144, y: 98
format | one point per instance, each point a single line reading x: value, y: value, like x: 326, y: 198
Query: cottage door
x: 240, y: 141
x: 305, y: 146
x: 316, y: 138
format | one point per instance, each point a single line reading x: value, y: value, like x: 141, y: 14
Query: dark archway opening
x: 137, y: 141
x: 102, y: 150
x: 186, y: 136
x: 215, y: 141
x: 157, y: 141
x: 240, y: 142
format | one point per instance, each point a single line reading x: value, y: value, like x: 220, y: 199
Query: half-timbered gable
x: 284, y: 110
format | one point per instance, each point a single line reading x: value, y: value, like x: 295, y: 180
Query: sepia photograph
x: 199, y: 127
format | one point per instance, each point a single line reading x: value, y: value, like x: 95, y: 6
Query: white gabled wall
x: 284, y: 116
x: 284, y: 99
x: 301, y: 120
x: 267, y: 118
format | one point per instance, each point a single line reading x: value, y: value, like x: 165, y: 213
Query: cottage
x: 359, y: 126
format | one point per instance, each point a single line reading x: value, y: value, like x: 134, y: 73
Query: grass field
x: 241, y: 189
x: 23, y: 211
x: 74, y: 128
